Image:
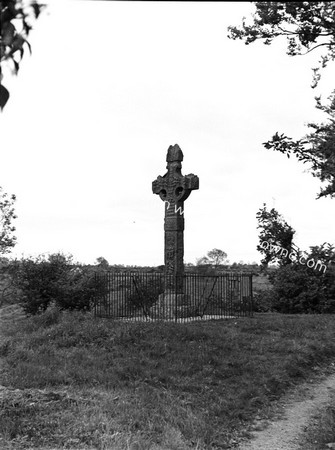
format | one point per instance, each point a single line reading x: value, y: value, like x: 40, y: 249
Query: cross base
x: 171, y: 306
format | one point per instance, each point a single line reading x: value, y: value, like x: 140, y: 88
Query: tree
x: 317, y: 148
x: 214, y: 258
x: 324, y: 253
x: 102, y: 262
x: 7, y: 215
x: 275, y: 237
x: 16, y: 17
x: 217, y: 257
x: 307, y: 26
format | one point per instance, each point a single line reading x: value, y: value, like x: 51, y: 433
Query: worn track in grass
x: 295, y: 411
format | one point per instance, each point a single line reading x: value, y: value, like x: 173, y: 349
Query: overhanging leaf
x: 4, y: 96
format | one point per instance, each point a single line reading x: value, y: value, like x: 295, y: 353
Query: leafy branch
x: 16, y: 19
x: 316, y: 148
x: 304, y: 24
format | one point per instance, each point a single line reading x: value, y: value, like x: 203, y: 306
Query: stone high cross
x: 174, y: 188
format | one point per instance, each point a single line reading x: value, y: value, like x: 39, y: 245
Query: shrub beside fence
x: 139, y: 296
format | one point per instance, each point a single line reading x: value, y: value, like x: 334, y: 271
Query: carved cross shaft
x: 174, y: 188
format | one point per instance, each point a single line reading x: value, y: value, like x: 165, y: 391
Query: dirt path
x: 296, y: 411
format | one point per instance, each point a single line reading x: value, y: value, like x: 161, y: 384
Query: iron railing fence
x: 141, y: 296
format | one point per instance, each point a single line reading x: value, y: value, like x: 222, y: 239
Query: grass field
x: 78, y: 382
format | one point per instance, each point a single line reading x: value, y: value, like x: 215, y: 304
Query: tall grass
x: 110, y: 385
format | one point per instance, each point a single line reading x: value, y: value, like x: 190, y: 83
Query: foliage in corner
x: 16, y: 17
x: 307, y: 26
x: 317, y: 148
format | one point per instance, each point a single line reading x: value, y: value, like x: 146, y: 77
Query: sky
x: 110, y: 86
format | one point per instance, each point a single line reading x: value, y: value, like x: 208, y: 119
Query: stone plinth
x: 169, y: 306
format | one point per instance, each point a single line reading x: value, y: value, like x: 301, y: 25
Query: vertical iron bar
x: 231, y: 294
x: 251, y: 296
x: 240, y: 294
x: 225, y: 297
x: 243, y: 294
x: 175, y: 297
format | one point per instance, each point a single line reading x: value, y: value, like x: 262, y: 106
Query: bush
x: 51, y: 316
x: 262, y: 301
x: 55, y: 279
x: 299, y: 289
x: 8, y: 292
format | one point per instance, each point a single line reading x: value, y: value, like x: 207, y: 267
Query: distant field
x: 76, y: 382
